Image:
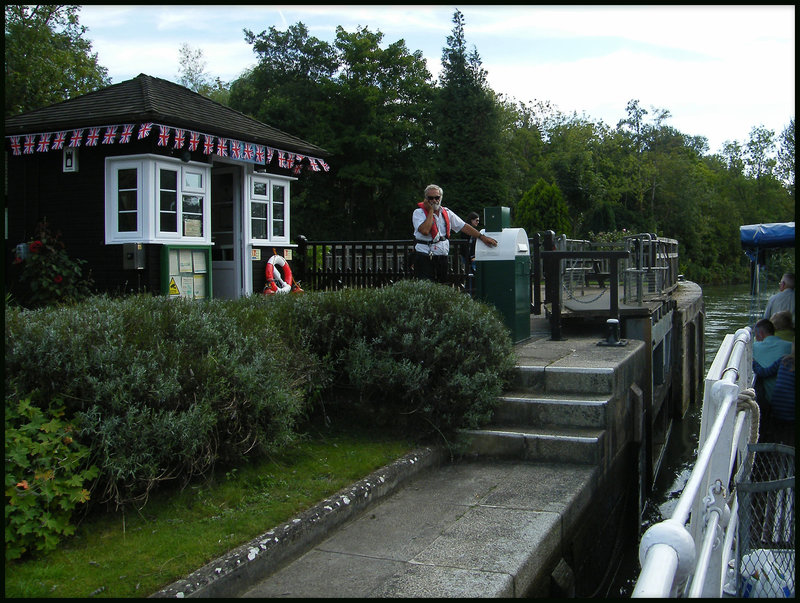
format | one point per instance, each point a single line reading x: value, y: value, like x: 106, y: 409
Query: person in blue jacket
x: 767, y: 348
x: 779, y: 425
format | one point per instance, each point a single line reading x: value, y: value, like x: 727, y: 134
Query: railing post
x: 302, y: 247
x: 536, y: 275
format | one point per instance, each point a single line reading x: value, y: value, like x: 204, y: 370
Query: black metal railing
x: 644, y: 265
x: 331, y: 265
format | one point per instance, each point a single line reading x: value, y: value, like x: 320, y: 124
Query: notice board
x: 186, y: 271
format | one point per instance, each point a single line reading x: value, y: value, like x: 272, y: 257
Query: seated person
x: 779, y: 425
x: 782, y: 321
x: 767, y: 349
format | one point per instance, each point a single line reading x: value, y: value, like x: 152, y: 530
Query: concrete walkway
x: 422, y: 527
x: 478, y: 529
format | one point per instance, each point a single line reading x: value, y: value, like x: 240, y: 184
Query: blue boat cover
x: 766, y: 236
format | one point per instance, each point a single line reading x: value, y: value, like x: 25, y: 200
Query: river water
x: 726, y: 310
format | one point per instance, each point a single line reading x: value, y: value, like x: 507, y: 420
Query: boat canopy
x: 767, y: 236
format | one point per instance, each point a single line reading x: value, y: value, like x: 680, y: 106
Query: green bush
x: 49, y: 276
x: 420, y: 354
x: 46, y: 477
x: 162, y: 388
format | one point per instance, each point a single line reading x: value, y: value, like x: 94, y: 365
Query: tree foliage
x: 467, y: 122
x: 48, y: 60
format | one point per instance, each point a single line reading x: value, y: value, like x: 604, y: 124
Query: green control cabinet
x: 503, y: 273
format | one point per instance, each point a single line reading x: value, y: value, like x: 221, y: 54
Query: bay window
x: 154, y: 199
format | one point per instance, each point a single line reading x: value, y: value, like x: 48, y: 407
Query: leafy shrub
x: 46, y: 477
x: 422, y: 354
x: 162, y: 388
x: 49, y: 275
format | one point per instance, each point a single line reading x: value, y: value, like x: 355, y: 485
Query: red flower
x: 58, y: 278
x: 23, y: 484
x: 36, y: 246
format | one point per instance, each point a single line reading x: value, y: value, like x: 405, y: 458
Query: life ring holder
x: 277, y: 283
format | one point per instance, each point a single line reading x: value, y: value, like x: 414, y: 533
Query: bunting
x: 224, y: 147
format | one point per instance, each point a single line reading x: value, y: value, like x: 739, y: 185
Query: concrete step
x: 562, y: 444
x: 530, y: 409
x: 596, y: 381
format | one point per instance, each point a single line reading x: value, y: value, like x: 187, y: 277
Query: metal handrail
x: 668, y: 551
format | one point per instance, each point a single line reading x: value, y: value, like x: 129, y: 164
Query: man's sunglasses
x: 436, y: 198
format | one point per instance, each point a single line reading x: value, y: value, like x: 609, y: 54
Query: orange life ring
x: 277, y: 283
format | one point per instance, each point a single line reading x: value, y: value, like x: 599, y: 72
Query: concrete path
x: 472, y: 529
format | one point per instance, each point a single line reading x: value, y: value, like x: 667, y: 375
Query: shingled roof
x: 151, y: 99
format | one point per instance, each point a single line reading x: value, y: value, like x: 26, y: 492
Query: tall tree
x: 468, y: 128
x: 192, y: 74
x: 365, y: 104
x: 786, y: 157
x: 48, y: 60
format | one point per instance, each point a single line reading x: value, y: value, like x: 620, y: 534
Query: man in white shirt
x: 432, y: 226
x: 784, y: 299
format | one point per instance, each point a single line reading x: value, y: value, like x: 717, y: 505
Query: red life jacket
x: 434, y: 227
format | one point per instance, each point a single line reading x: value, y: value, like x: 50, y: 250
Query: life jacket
x: 435, y: 229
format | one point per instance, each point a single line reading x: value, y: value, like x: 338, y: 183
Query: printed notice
x: 185, y: 260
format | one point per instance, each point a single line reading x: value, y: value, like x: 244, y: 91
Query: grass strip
x: 135, y: 553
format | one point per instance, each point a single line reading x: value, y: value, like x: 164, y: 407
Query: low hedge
x: 161, y: 389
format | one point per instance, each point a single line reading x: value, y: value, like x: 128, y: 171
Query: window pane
x: 127, y: 222
x: 126, y: 179
x: 260, y: 188
x: 193, y: 204
x: 168, y: 201
x: 169, y: 180
x: 259, y: 229
x: 169, y: 222
x: 278, y: 206
x: 258, y: 210
x: 127, y: 200
x: 194, y: 180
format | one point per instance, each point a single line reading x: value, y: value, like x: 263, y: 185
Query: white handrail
x: 668, y: 551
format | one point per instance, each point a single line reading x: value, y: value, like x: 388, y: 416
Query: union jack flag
x: 111, y: 135
x: 75, y: 141
x: 283, y: 161
x: 194, y: 140
x: 270, y: 153
x: 92, y: 137
x: 59, y: 140
x: 180, y: 137
x: 313, y: 163
x: 324, y: 165
x: 236, y: 149
x: 248, y: 151
x: 16, y: 147
x: 30, y: 144
x: 127, y: 132
x: 259, y: 153
x: 222, y: 147
x: 44, y: 142
x: 163, y: 138
x: 208, y: 145
x: 144, y: 130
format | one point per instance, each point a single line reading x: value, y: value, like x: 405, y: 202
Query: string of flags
x: 27, y: 144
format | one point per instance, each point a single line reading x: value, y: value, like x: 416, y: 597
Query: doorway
x: 226, y: 232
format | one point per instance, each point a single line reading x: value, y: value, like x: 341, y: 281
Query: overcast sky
x: 718, y: 70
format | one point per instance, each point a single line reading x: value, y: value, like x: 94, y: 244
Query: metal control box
x: 503, y: 276
x: 133, y: 256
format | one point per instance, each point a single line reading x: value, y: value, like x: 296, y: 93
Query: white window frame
x: 268, y: 200
x: 148, y: 197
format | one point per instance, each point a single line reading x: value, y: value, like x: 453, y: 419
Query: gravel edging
x: 239, y: 569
